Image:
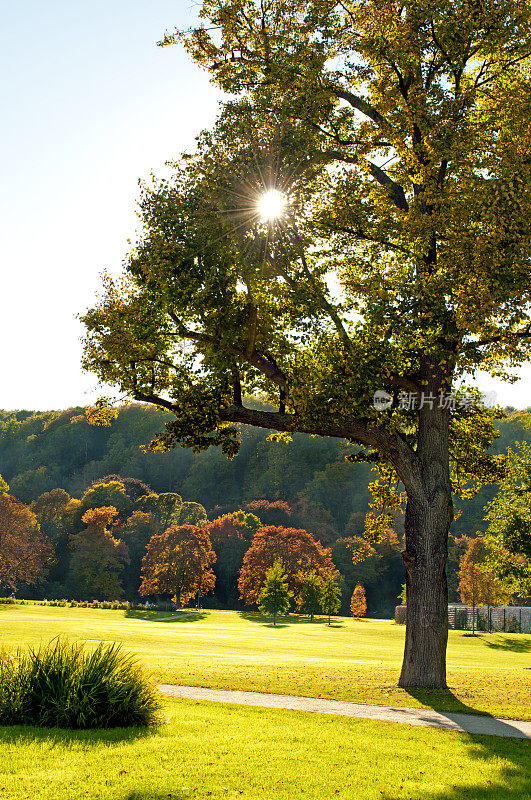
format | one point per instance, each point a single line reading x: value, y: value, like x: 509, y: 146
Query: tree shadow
x: 26, y: 734
x: 517, y: 644
x: 151, y: 794
x: 514, y: 778
x: 448, y: 705
x: 166, y: 616
x: 265, y: 620
x: 291, y: 619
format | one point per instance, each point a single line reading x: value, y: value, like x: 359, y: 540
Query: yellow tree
x: 98, y: 558
x: 478, y: 584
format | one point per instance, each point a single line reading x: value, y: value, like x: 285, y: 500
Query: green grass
x: 223, y: 751
x: 352, y: 660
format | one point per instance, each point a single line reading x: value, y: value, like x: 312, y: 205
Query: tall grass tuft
x: 66, y: 685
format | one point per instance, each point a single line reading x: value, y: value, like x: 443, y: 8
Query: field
x: 351, y: 660
x: 206, y: 750
x: 220, y: 751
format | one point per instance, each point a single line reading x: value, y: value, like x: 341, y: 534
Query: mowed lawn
x: 351, y: 660
x: 206, y: 750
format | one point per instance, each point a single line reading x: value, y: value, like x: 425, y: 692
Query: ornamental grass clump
x: 66, y: 685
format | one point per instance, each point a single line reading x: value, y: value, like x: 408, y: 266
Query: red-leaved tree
x: 300, y: 553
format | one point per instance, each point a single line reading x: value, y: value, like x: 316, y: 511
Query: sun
x: 272, y: 204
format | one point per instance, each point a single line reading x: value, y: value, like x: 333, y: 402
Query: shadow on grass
x: 286, y: 621
x: 166, y: 616
x: 514, y: 776
x: 148, y: 794
x: 515, y: 644
x: 265, y: 620
x: 448, y: 705
x: 25, y: 734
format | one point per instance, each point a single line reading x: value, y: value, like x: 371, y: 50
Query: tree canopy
x: 178, y: 562
x: 299, y: 552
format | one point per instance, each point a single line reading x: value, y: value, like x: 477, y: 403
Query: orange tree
x: 400, y: 137
x: 24, y: 550
x: 178, y: 562
x: 358, y: 603
x: 299, y: 552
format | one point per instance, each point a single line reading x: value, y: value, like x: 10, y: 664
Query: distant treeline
x: 42, y: 451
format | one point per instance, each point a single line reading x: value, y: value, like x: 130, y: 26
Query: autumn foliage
x: 24, y: 550
x: 478, y: 585
x: 358, y: 603
x: 300, y: 553
x: 98, y: 558
x: 178, y: 562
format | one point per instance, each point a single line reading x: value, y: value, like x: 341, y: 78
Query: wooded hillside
x: 319, y: 490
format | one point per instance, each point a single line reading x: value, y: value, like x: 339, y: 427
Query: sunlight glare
x: 271, y: 204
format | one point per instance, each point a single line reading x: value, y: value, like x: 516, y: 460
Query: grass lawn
x: 352, y: 660
x: 213, y: 751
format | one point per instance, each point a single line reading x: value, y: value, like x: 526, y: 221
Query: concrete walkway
x: 466, y: 723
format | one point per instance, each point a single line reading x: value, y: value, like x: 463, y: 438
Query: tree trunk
x: 429, y: 513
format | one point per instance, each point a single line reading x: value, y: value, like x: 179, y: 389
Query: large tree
x: 179, y: 562
x: 299, y: 552
x: 399, y: 134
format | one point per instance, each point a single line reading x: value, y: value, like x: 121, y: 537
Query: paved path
x: 467, y: 723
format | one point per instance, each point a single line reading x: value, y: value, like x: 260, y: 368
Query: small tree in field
x: 358, y: 603
x: 311, y: 594
x: 330, y: 597
x: 274, y: 596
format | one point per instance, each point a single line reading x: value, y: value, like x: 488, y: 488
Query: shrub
x: 400, y: 615
x: 67, y: 686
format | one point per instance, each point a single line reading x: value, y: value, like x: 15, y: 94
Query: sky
x: 90, y: 105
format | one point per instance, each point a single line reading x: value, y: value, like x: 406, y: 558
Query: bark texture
x: 429, y: 513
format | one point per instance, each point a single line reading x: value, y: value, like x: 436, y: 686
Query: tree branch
x: 361, y: 430
x: 396, y: 192
x: 259, y: 362
x: 525, y: 333
x: 361, y: 105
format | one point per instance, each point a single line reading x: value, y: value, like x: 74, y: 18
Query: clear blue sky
x: 89, y: 104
